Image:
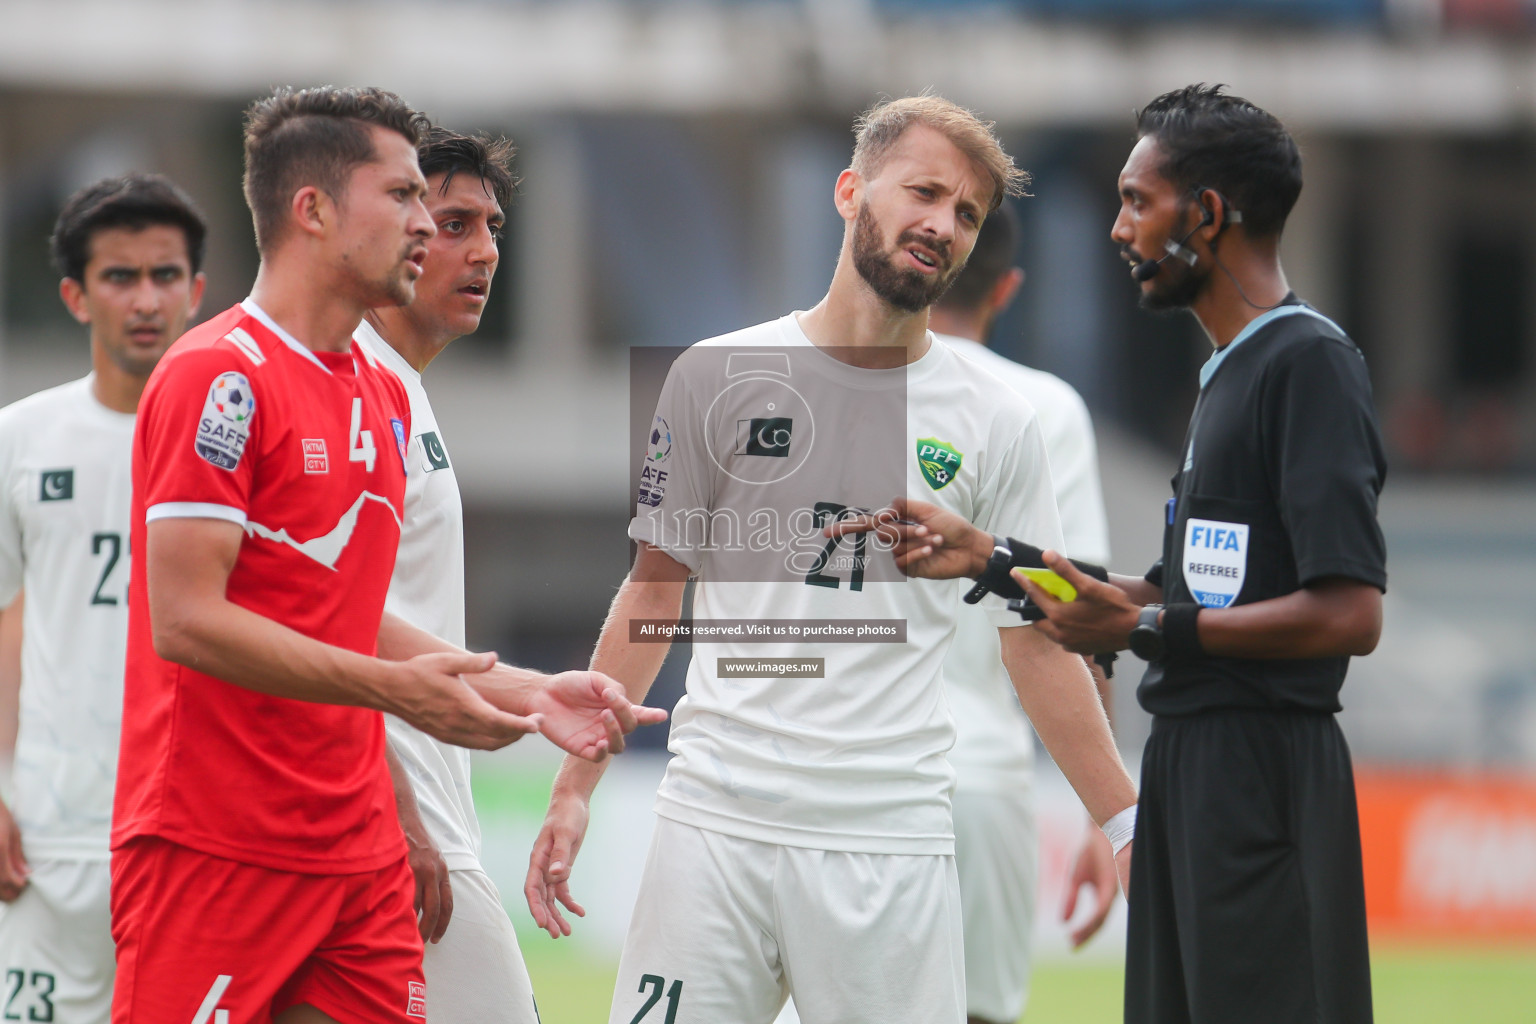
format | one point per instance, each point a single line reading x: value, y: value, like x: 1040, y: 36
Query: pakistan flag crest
x: 939, y: 462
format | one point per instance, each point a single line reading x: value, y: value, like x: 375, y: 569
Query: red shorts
x: 205, y: 940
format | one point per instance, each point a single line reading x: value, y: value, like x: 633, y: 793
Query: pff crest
x: 939, y: 462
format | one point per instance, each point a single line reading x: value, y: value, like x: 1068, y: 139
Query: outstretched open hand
x: 587, y: 714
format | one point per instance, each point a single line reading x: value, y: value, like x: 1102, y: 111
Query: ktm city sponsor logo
x: 416, y: 999
x: 315, y: 459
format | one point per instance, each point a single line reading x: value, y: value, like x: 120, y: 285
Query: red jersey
x: 306, y: 451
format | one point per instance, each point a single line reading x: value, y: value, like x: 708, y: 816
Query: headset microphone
x: 1146, y: 270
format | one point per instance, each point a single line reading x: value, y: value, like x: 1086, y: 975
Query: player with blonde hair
x: 805, y: 844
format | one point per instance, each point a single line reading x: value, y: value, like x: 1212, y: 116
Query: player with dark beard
x: 1248, y: 901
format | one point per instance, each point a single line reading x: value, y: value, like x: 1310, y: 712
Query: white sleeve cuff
x: 194, y: 510
x: 645, y: 528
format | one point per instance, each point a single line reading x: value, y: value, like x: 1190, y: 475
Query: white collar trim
x: 375, y: 347
x: 249, y: 305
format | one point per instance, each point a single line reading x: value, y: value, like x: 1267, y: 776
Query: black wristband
x: 1181, y: 633
x: 1027, y: 556
x: 1098, y: 572
x: 1000, y: 581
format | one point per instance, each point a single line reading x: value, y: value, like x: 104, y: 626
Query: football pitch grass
x: 1413, y: 985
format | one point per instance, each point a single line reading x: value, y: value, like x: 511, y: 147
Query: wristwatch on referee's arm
x: 1163, y: 631
x: 1147, y: 636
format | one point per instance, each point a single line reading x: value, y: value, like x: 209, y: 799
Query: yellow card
x: 1050, y: 582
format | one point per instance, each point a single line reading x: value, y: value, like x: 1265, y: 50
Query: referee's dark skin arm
x: 1329, y: 617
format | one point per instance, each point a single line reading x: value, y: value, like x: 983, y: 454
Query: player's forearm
x: 634, y: 665
x: 228, y: 642
x: 1335, y: 618
x: 1105, y: 688
x: 405, y: 800
x: 193, y: 623
x: 506, y: 686
x: 1057, y: 693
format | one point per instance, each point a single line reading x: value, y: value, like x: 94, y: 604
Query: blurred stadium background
x: 678, y: 158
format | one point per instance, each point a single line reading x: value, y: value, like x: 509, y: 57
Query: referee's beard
x: 1176, y: 286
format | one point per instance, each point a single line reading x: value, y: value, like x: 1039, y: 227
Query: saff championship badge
x: 225, y: 424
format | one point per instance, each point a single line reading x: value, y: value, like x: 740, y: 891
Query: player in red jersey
x: 259, y: 872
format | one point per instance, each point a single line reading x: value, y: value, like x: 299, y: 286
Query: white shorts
x: 997, y: 855
x: 56, y: 945
x: 725, y: 929
x: 476, y: 974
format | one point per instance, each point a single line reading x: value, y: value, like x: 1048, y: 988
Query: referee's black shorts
x: 1247, y: 898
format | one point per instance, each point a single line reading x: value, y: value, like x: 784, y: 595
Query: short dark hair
x: 135, y: 202
x: 1211, y: 139
x: 991, y: 258
x: 447, y: 152
x: 314, y: 137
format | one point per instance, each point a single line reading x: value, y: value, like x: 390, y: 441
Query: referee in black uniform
x: 1247, y: 902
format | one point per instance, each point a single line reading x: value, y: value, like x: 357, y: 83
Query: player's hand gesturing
x: 925, y: 540
x: 431, y: 694
x: 549, y: 865
x: 586, y: 714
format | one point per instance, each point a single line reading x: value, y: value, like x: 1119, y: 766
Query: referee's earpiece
x: 1228, y: 215
x: 1207, y: 213
x: 1207, y: 218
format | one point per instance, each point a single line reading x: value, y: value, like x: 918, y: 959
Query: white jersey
x: 65, y: 489
x: 853, y: 760
x: 993, y: 743
x: 427, y: 590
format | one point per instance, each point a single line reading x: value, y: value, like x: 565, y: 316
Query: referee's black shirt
x: 1282, y: 467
